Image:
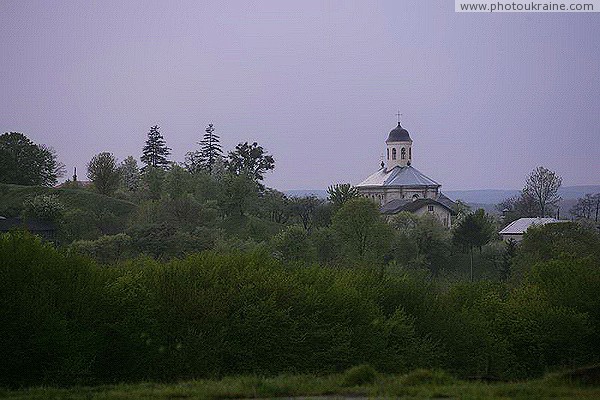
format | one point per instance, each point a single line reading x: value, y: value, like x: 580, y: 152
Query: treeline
x: 67, y: 320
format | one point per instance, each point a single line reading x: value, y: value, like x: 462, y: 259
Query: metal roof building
x: 516, y: 229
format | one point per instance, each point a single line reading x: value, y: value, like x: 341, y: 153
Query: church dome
x: 398, y: 134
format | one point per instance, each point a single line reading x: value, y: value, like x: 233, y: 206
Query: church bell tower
x: 399, y: 148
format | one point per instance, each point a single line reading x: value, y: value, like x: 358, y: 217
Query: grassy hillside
x: 12, y: 197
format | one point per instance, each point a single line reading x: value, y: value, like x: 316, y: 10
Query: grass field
x: 419, y: 384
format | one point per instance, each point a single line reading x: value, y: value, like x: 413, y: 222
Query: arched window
x: 388, y: 154
x: 393, y: 154
x: 409, y: 153
x: 403, y: 153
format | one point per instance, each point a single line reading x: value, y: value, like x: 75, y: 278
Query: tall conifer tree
x: 210, y: 148
x: 155, y: 151
x: 209, y: 155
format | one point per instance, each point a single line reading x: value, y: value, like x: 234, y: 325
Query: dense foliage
x: 23, y: 162
x: 104, y: 173
x: 68, y: 320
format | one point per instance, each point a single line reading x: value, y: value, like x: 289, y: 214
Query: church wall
x: 441, y: 213
x: 384, y: 195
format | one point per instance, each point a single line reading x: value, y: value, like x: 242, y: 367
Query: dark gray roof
x: 398, y: 205
x: 445, y: 200
x: 398, y: 134
x: 7, y: 224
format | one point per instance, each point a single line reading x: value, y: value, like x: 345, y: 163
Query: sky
x: 486, y: 97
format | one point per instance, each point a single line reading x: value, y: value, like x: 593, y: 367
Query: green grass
x: 12, y: 197
x: 331, y: 386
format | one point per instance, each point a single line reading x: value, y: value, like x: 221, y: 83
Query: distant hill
x: 494, y: 196
x: 320, y: 193
x: 484, y: 198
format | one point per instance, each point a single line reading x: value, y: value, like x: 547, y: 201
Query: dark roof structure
x: 398, y: 205
x: 398, y: 134
x: 42, y: 228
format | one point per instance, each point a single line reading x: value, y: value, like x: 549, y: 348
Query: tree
x: 305, y: 209
x: 542, y: 186
x: 475, y: 230
x: 363, y: 233
x: 507, y: 259
x: 211, y: 148
x: 340, y: 193
x: 421, y: 241
x: 130, y: 174
x: 209, y: 155
x: 520, y: 206
x: 587, y: 207
x: 293, y: 244
x: 462, y: 209
x: 250, y: 160
x: 22, y: 162
x: 102, y: 170
x: 155, y: 151
x: 240, y: 194
x: 275, y: 206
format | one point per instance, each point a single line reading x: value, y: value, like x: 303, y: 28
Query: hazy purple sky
x: 486, y: 98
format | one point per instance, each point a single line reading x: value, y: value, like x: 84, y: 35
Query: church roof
x: 398, y: 134
x: 398, y: 205
x: 398, y: 176
x: 445, y: 200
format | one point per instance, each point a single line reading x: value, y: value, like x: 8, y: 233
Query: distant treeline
x: 67, y: 320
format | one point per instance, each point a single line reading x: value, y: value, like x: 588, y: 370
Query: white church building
x: 398, y: 186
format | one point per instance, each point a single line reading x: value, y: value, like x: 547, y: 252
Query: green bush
x: 359, y: 375
x: 106, y: 249
x: 293, y: 245
x: 45, y: 207
x: 67, y: 320
x: 427, y: 377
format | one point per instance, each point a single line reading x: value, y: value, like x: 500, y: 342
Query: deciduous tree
x: 340, y: 193
x: 587, y: 207
x: 305, y: 208
x: 542, y: 186
x: 363, y: 233
x: 250, y: 160
x: 23, y: 162
x: 130, y: 174
x: 102, y: 170
x: 475, y: 230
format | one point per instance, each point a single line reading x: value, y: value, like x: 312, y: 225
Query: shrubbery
x: 67, y: 320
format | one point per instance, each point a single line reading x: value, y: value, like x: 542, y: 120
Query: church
x: 398, y: 186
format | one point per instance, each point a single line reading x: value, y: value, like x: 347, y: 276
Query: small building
x: 516, y: 229
x: 47, y: 230
x: 398, y: 186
